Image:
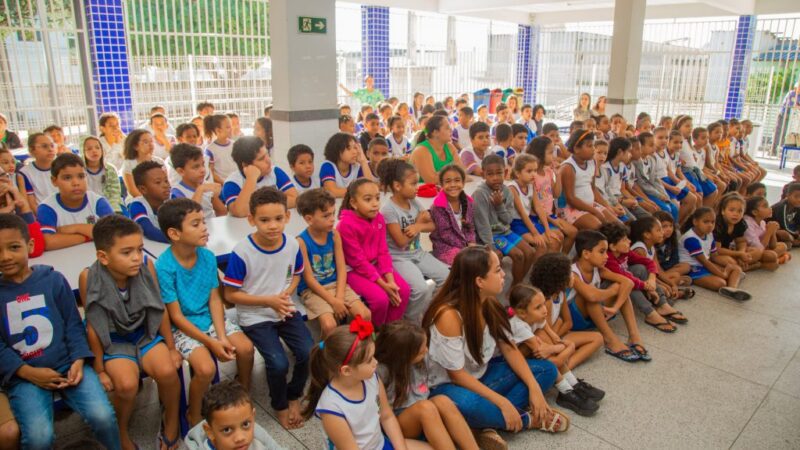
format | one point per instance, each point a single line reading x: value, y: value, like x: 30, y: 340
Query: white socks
x: 563, y: 386
x: 570, y: 377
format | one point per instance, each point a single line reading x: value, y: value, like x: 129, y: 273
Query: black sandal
x: 686, y: 292
x: 671, y: 317
x: 664, y: 327
x: 642, y: 352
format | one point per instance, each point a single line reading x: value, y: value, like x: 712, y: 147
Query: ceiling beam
x: 607, y: 14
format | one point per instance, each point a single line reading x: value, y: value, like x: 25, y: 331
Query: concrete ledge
x: 304, y: 115
x: 622, y: 101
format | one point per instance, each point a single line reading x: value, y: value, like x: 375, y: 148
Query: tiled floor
x: 728, y: 379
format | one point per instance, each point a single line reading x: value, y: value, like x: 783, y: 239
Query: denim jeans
x: 266, y: 337
x: 480, y: 412
x: 33, y: 410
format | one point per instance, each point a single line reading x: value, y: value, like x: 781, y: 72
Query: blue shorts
x: 702, y: 185
x: 698, y: 272
x: 145, y: 349
x: 506, y: 242
x: 387, y: 444
x: 681, y: 195
x: 518, y: 226
x: 579, y: 323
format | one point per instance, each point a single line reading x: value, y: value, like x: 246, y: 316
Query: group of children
x: 643, y: 216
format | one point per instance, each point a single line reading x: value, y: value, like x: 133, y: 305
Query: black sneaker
x: 581, y: 406
x: 586, y: 390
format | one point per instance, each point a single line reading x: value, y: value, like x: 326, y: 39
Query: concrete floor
x: 728, y: 379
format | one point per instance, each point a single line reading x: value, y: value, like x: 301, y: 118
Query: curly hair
x: 552, y: 273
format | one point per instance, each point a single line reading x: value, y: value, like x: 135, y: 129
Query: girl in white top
x: 218, y: 130
x: 138, y: 148
x: 400, y: 350
x: 709, y: 269
x: 347, y: 395
x: 101, y: 177
x: 586, y: 208
x: 467, y: 328
x: 527, y: 206
x: 112, y: 138
x: 646, y: 233
x: 536, y: 339
x: 552, y: 273
x: 399, y: 146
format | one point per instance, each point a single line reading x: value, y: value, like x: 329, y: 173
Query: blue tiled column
x: 740, y: 66
x: 109, y: 54
x: 528, y: 60
x: 375, y: 45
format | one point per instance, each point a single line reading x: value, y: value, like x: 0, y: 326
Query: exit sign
x: 313, y: 25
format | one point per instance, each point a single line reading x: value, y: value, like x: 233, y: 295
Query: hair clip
x: 321, y: 345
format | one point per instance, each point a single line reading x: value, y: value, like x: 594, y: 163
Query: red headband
x: 362, y: 329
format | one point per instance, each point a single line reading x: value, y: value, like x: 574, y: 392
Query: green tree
x: 210, y: 27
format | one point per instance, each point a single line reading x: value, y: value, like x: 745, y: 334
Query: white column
x: 303, y: 77
x: 626, y: 55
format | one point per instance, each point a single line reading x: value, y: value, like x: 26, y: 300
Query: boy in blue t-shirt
x: 153, y: 183
x: 43, y: 346
x: 68, y: 216
x: 127, y: 327
x: 324, y: 288
x: 262, y: 274
x: 255, y: 171
x: 187, y: 275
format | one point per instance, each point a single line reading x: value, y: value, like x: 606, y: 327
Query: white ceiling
x: 560, y: 11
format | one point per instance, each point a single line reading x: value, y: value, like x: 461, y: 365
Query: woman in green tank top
x: 434, y: 150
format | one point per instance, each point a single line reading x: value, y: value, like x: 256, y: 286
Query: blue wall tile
x: 375, y: 45
x: 740, y: 66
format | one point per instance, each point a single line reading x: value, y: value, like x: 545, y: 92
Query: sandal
x: 640, y: 351
x: 489, y: 439
x: 671, y: 317
x: 664, y: 327
x: 162, y: 440
x: 558, y: 422
x: 736, y: 294
x: 627, y: 355
x: 686, y: 292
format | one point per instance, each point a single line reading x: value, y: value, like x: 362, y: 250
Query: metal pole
x: 48, y: 54
x: 79, y: 11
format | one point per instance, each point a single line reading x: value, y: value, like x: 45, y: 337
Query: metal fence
x: 182, y: 52
x: 432, y: 53
x: 41, y: 63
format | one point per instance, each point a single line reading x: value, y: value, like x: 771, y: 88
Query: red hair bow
x: 362, y: 329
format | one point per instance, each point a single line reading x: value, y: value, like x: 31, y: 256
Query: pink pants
x: 378, y: 300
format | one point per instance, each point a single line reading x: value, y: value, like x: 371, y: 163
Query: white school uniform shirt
x: 140, y: 209
x: 181, y: 190
x: 674, y: 162
x: 461, y: 136
x: 527, y: 199
x: 700, y: 158
x: 614, y: 179
x: 650, y: 252
x: 521, y: 331
x: 261, y: 272
x: 233, y: 184
x: 37, y: 181
x: 713, y: 152
x: 398, y: 149
x: 472, y: 160
x: 52, y: 213
x: 660, y: 164
x: 161, y: 150
x: 96, y: 181
x: 688, y: 156
x: 220, y: 156
x: 595, y: 281
x: 129, y: 164
x: 328, y: 171
x: 363, y: 416
x: 112, y: 153
x: 583, y: 179
x: 313, y: 184
x: 555, y: 312
x: 692, y: 245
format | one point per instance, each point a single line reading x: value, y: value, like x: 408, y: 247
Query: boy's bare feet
x: 283, y: 418
x: 295, y: 415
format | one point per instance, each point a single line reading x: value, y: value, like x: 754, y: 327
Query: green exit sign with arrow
x: 313, y: 25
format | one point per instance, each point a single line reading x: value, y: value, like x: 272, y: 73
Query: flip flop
x: 662, y: 327
x: 627, y: 355
x: 162, y: 440
x: 671, y: 317
x: 736, y: 294
x: 687, y: 292
x: 643, y: 354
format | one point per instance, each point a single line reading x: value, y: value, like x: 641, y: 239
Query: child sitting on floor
x: 531, y: 332
x: 452, y: 213
x: 761, y: 234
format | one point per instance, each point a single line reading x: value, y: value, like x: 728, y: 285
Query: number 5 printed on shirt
x: 28, y: 316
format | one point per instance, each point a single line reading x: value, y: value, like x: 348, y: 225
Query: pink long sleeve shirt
x: 364, y: 244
